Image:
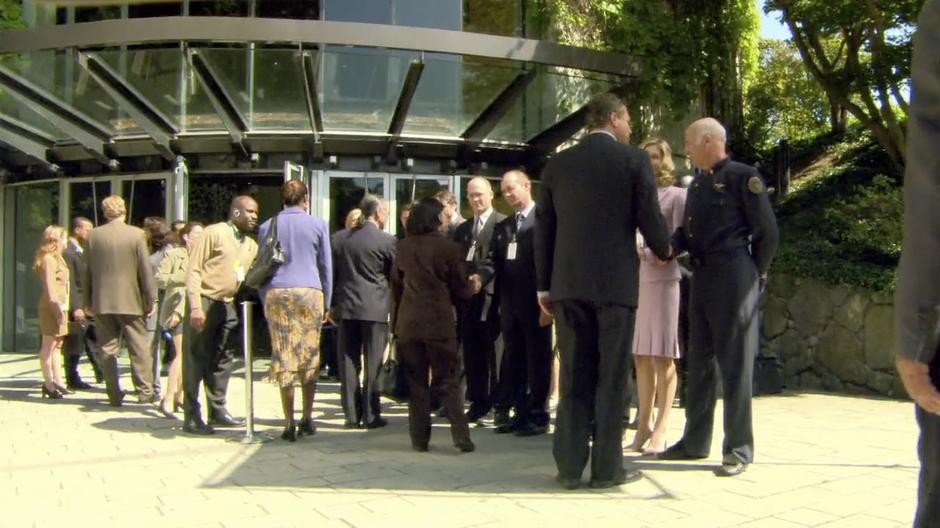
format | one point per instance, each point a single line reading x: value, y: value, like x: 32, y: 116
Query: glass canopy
x: 357, y: 91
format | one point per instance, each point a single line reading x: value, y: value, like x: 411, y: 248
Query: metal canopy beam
x: 549, y: 139
x: 22, y: 138
x: 233, y: 120
x: 152, y: 120
x: 310, y: 91
x: 412, y: 78
x: 73, y: 123
x: 314, y: 32
x: 494, y: 112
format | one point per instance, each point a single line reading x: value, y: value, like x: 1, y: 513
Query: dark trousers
x: 360, y: 340
x: 928, y: 486
x: 209, y: 358
x: 723, y: 329
x: 478, y: 342
x: 525, y: 372
x: 440, y: 355
x: 74, y: 344
x: 594, y: 342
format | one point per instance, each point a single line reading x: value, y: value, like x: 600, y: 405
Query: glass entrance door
x: 344, y: 190
x: 411, y: 188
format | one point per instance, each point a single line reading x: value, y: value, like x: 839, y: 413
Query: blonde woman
x: 51, y: 267
x: 655, y: 339
x: 171, y: 277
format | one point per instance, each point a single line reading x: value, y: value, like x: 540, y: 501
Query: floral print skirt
x: 294, y: 318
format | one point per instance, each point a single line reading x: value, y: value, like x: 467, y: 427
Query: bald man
x: 730, y: 233
x: 526, y: 364
x: 217, y: 267
x: 477, y: 318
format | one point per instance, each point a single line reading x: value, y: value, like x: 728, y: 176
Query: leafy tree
x: 11, y: 14
x: 867, y: 68
x: 784, y: 101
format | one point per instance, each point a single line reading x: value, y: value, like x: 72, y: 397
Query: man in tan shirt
x: 120, y: 292
x: 217, y: 267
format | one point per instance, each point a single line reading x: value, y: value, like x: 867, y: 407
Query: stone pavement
x: 822, y: 460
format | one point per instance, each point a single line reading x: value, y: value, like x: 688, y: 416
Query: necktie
x: 519, y: 218
x: 477, y: 226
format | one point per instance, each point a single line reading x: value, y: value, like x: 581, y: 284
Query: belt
x: 717, y: 257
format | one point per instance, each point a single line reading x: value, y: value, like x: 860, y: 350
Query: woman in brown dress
x: 428, y: 275
x: 52, y: 269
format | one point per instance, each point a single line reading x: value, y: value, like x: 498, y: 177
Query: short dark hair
x: 188, y: 228
x: 600, y: 107
x: 424, y: 217
x: 369, y: 205
x: 79, y: 221
x: 293, y: 192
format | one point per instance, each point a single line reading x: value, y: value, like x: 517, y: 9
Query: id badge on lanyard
x: 472, y: 251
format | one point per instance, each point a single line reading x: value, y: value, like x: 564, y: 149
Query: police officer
x: 730, y: 233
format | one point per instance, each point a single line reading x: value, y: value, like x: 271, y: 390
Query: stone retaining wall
x: 837, y: 338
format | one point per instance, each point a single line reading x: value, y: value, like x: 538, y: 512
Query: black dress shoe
x: 197, y: 427
x: 377, y: 423
x: 351, y: 425
x: 226, y: 420
x: 530, y: 429
x: 290, y: 432
x: 78, y: 385
x: 465, y: 446
x: 509, y: 426
x: 677, y: 452
x: 306, y: 427
x: 730, y: 469
x: 421, y: 448
x: 625, y: 477
x: 569, y: 483
x: 477, y: 412
x: 118, y: 399
x: 501, y: 418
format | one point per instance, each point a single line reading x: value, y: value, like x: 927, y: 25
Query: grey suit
x: 76, y: 341
x: 120, y: 288
x: 917, y: 298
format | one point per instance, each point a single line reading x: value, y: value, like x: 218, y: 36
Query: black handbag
x: 391, y: 381
x: 270, y: 257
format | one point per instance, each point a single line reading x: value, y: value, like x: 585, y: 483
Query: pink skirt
x: 657, y: 320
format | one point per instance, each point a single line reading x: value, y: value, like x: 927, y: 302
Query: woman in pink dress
x: 655, y: 340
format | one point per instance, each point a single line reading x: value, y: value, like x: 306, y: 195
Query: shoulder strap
x: 273, y: 234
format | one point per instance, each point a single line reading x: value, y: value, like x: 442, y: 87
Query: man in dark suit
x: 917, y: 298
x: 526, y: 365
x: 119, y: 292
x: 75, y: 343
x: 362, y: 261
x: 592, y: 199
x: 477, y: 318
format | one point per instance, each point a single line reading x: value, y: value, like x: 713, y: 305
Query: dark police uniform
x: 730, y: 233
x: 917, y: 297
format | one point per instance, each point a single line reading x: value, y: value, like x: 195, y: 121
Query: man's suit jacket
x: 482, y: 306
x: 119, y: 276
x: 428, y: 276
x: 362, y: 265
x: 514, y: 279
x: 77, y: 265
x: 592, y: 199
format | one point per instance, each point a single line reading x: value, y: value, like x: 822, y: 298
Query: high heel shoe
x: 306, y: 427
x: 53, y: 394
x: 290, y: 432
x: 63, y: 389
x: 177, y: 406
x: 166, y: 413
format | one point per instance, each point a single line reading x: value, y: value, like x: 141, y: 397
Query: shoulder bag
x: 391, y: 381
x: 269, y: 259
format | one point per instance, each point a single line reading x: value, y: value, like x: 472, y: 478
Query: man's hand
x: 545, y: 304
x: 476, y: 282
x: 78, y: 315
x: 173, y: 321
x: 327, y: 318
x: 149, y: 308
x: 916, y: 378
x: 197, y: 319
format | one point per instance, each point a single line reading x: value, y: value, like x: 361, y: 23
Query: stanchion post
x: 247, y: 348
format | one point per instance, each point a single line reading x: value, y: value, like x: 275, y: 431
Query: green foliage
x: 11, y: 14
x: 842, y: 223
x: 784, y: 101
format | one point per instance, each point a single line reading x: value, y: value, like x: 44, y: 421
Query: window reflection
x: 144, y: 198
x: 345, y: 195
x: 85, y: 200
x: 408, y: 191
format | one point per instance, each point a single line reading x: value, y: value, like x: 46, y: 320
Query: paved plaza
x: 822, y: 460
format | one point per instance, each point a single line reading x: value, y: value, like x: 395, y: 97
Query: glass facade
x: 143, y: 198
x: 346, y: 191
x: 85, y: 199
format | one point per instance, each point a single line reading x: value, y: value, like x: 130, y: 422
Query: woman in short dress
x: 171, y: 277
x: 294, y: 304
x: 655, y: 340
x: 52, y: 269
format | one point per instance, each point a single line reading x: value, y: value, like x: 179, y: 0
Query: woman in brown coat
x: 52, y: 269
x: 428, y: 275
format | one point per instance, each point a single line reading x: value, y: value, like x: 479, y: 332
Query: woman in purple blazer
x: 295, y: 302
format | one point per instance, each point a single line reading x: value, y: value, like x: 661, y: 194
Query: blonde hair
x: 664, y: 178
x: 352, y: 218
x: 52, y: 238
x: 113, y: 207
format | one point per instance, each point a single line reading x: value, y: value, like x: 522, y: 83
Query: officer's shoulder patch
x: 755, y: 184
